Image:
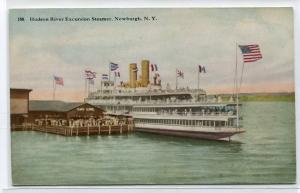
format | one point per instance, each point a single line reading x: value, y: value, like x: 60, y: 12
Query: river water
x: 264, y: 154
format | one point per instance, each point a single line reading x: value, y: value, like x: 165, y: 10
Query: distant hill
x: 280, y: 96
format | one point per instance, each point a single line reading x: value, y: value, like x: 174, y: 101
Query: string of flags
x: 250, y: 53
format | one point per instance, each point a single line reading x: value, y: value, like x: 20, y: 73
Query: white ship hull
x: 192, y: 132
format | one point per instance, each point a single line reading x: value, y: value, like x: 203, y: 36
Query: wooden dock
x: 78, y: 131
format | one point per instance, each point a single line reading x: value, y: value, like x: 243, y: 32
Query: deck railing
x: 188, y: 114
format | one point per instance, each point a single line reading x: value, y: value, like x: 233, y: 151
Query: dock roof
x: 50, y: 105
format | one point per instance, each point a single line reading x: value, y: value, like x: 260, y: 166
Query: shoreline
x: 261, y: 97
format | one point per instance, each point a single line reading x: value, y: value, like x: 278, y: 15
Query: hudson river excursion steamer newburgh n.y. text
x: 87, y: 19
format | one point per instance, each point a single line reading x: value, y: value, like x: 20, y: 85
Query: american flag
x: 59, y: 80
x: 251, y: 53
x: 89, y: 74
x: 179, y: 73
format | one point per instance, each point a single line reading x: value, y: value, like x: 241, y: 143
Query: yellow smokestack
x: 145, y: 73
x: 132, y: 75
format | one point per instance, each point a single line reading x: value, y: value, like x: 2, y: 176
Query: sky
x: 178, y: 39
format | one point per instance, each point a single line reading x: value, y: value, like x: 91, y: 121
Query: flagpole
x: 115, y: 78
x: 54, y: 89
x: 85, y: 87
x: 237, y: 92
x: 176, y: 79
x: 241, y: 80
x: 151, y: 74
x: 198, y: 83
x: 109, y: 72
x: 89, y: 83
x: 109, y: 86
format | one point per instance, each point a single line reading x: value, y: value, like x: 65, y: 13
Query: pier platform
x: 78, y: 131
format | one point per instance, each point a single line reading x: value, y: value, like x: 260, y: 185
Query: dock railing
x: 76, y: 131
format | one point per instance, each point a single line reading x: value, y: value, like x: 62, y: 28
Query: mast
x: 198, y: 85
x: 237, y: 92
x: 54, y: 88
x: 176, y: 78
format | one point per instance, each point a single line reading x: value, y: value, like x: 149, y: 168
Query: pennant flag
x: 152, y: 68
x: 201, y: 69
x: 89, y: 74
x: 179, y: 73
x: 104, y: 77
x: 117, y: 74
x: 59, y: 80
x: 113, y: 66
x: 251, y: 53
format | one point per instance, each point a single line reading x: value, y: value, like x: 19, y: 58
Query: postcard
x: 152, y: 96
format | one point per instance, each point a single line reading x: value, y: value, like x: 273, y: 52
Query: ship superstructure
x: 181, y: 112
